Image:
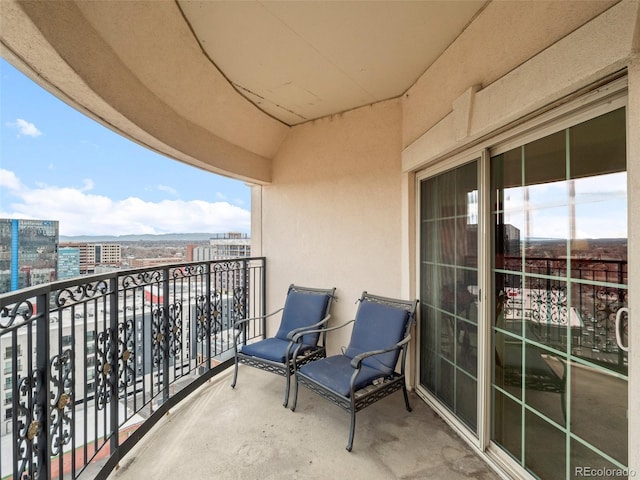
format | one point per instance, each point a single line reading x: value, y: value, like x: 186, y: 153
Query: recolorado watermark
x: 604, y: 472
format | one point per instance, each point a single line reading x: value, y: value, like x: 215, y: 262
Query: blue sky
x: 58, y: 164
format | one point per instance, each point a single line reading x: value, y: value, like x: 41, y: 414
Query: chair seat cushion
x: 335, y: 373
x: 273, y: 349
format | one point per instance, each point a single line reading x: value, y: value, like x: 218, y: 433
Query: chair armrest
x: 357, y: 360
x: 299, y: 335
x: 311, y: 328
x: 237, y: 323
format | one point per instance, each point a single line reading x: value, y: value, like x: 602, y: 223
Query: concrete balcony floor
x: 245, y: 433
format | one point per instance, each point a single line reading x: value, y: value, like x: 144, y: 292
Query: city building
x: 68, y: 262
x: 151, y: 262
x: 221, y: 246
x: 94, y: 254
x: 28, y: 253
x: 375, y: 137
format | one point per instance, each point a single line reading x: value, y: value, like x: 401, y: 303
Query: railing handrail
x: 40, y: 289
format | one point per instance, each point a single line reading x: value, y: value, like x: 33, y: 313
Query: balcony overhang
x: 218, y: 85
x: 136, y: 68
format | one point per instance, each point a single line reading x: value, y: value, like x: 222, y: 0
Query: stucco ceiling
x: 299, y: 61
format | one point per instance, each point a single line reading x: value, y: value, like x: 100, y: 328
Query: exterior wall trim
x: 577, y: 62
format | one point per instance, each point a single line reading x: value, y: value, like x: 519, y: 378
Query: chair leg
x: 352, y: 428
x: 286, y: 390
x: 235, y: 373
x: 406, y: 398
x: 295, y: 393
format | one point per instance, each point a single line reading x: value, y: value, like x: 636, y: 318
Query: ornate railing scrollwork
x: 61, y: 388
x: 140, y: 279
x: 30, y: 423
x: 206, y: 310
x: 80, y: 293
x: 175, y: 329
x: 23, y: 309
x: 239, y: 303
x: 157, y: 335
x: 104, y: 364
x: 126, y: 349
x: 172, y: 332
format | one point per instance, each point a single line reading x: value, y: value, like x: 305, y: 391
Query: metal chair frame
x: 380, y: 388
x: 285, y: 369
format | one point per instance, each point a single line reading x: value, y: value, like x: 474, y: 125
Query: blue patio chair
x: 367, y: 370
x: 304, y: 308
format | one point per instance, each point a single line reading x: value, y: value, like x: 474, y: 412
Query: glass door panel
x: 559, y: 378
x: 449, y: 287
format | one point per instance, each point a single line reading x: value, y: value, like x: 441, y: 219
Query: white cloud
x: 87, y: 185
x: 224, y: 198
x: 82, y: 213
x: 25, y: 128
x: 167, y: 189
x: 9, y: 180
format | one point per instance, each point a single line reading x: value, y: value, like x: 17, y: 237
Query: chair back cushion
x: 378, y: 326
x: 302, y: 309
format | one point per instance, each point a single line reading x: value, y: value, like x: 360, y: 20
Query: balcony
x: 136, y: 363
x: 147, y: 352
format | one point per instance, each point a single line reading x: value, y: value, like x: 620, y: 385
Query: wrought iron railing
x: 91, y: 364
x: 543, y: 300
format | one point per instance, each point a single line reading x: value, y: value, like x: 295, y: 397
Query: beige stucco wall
x: 331, y: 217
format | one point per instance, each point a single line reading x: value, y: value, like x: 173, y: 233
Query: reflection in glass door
x: 559, y: 378
x: 448, y: 290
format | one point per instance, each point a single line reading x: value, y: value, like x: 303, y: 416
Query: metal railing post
x: 42, y: 397
x: 209, y: 293
x: 166, y: 336
x: 113, y: 363
x: 15, y: 395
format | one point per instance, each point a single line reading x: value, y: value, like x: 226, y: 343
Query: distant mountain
x: 172, y: 237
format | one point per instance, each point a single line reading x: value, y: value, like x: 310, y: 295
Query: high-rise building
x: 95, y: 254
x: 222, y: 246
x: 28, y: 253
x: 68, y: 262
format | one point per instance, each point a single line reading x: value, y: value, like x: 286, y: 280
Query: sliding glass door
x: 449, y: 287
x: 554, y: 364
x: 559, y: 377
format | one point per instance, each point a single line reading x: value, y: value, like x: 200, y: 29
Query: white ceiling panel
x: 303, y: 60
